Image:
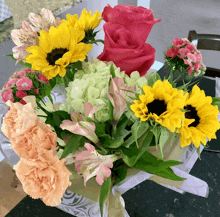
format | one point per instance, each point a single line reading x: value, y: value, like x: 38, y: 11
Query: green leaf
x: 138, y: 129
x: 129, y: 155
x: 111, y: 108
x: 216, y: 101
x: 113, y: 143
x: 149, y: 163
x: 164, y: 136
x: 144, y: 145
x: 121, y: 134
x: 156, y: 131
x: 153, y: 78
x: 112, y: 70
x: 72, y: 145
x: 99, y: 129
x: 166, y: 164
x: 121, y: 173
x: 104, y: 191
x: 169, y: 174
x: 65, y: 133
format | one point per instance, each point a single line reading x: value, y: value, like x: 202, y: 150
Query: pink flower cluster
x: 23, y: 84
x: 187, y: 51
x: 28, y: 35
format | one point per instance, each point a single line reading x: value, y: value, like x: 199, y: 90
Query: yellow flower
x: 163, y: 103
x: 57, y: 49
x: 85, y: 22
x: 201, y: 121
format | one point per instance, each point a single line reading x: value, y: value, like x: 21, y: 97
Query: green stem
x: 101, y: 147
x: 99, y: 40
x: 65, y: 81
x: 114, y: 124
x: 43, y: 109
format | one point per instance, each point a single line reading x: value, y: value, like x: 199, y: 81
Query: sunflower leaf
x: 153, y: 78
x: 104, y: 191
x: 164, y: 136
x: 216, y: 101
x: 156, y: 131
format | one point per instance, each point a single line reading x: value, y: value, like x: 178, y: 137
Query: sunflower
x: 85, y: 22
x: 57, y: 49
x: 201, y: 119
x: 163, y: 103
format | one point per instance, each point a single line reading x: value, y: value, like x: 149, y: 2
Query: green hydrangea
x: 91, y: 85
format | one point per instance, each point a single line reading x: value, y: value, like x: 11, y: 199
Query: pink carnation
x: 189, y: 47
x: 22, y: 102
x: 13, y: 80
x: 187, y: 62
x: 42, y: 78
x: 177, y: 42
x: 192, y: 57
x: 198, y: 57
x: 21, y: 94
x: 24, y: 83
x: 37, y: 91
x: 189, y: 69
x: 183, y: 52
x: 172, y: 52
x: 7, y: 95
x: 21, y: 73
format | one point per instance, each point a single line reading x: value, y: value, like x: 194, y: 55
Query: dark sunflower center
x: 56, y: 54
x: 192, y: 114
x: 157, y: 106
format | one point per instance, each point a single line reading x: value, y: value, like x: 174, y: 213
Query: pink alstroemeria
x: 45, y: 21
x: 20, y: 52
x: 116, y: 96
x: 90, y: 163
x: 81, y: 127
x: 25, y: 36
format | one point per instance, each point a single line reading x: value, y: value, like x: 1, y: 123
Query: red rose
x: 138, y: 20
x: 128, y: 54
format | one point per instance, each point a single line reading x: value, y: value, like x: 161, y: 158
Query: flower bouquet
x: 113, y: 119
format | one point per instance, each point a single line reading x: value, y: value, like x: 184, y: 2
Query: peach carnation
x: 28, y: 144
x: 19, y: 118
x: 46, y: 177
